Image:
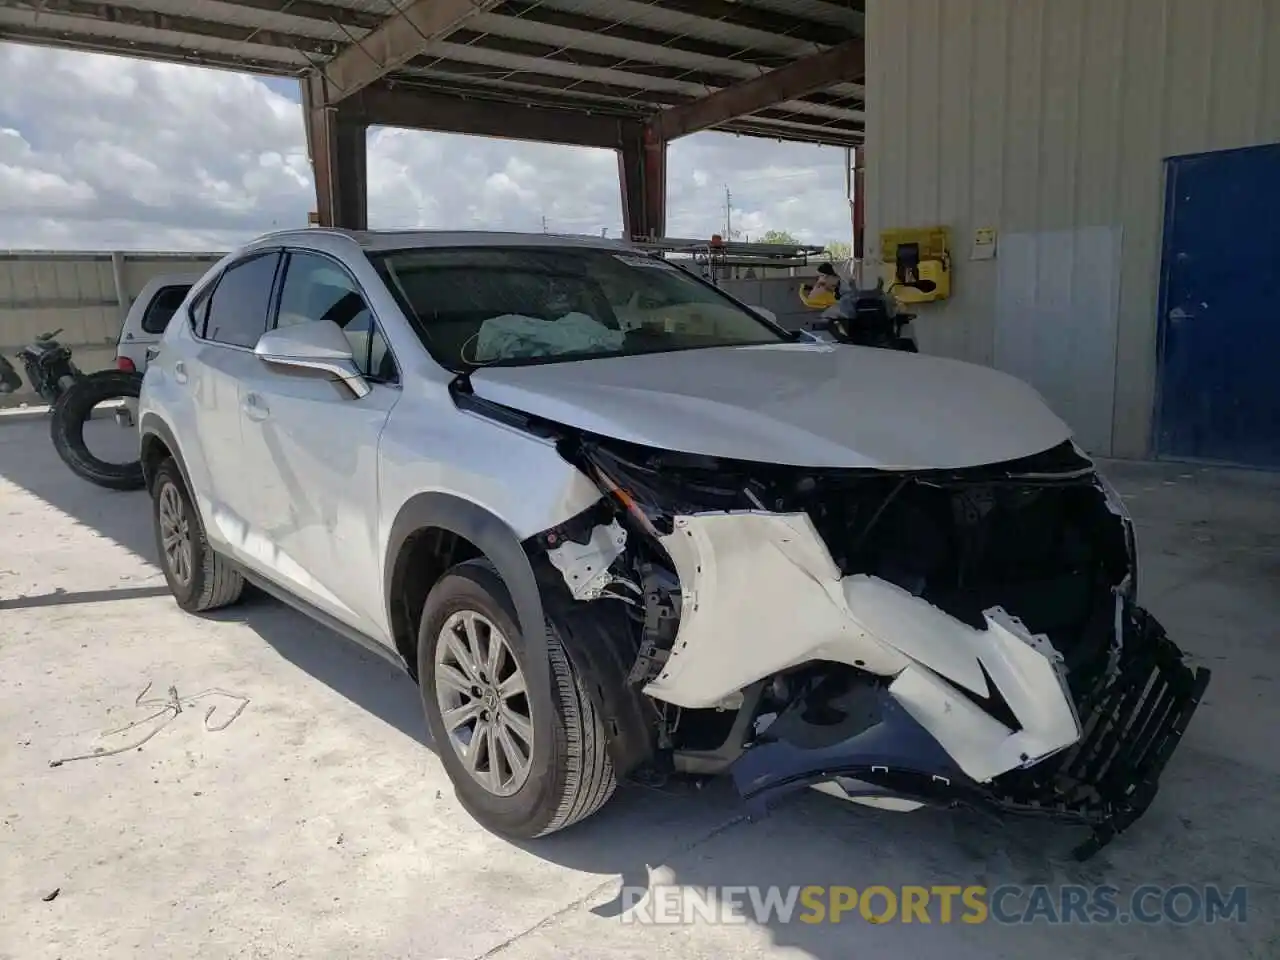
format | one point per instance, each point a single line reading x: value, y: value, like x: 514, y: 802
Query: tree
x: 779, y: 236
x: 838, y: 250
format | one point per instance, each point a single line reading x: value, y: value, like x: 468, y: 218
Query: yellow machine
x: 922, y: 253
x: 817, y: 301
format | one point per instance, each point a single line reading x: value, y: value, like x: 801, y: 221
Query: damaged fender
x: 763, y: 595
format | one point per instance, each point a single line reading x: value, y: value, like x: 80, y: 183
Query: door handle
x: 254, y: 407
x: 180, y: 371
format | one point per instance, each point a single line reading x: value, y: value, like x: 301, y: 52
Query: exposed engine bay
x: 964, y: 636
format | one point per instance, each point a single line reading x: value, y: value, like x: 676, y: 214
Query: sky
x: 102, y: 152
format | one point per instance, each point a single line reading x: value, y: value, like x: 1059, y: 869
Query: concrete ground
x: 319, y: 823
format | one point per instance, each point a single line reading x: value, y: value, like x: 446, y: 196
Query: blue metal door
x: 1218, y: 394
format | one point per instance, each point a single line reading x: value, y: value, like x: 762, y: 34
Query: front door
x: 311, y: 455
x: 1218, y: 395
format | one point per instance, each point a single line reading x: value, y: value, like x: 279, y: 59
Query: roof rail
x: 293, y: 231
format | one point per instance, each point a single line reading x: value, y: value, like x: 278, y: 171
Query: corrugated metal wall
x: 42, y: 291
x: 1048, y: 119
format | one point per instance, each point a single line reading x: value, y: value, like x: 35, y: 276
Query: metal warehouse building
x: 1108, y: 176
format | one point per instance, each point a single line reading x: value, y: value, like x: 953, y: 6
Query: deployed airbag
x: 514, y: 335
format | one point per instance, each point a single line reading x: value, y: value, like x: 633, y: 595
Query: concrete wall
x: 1050, y: 120
x: 43, y: 290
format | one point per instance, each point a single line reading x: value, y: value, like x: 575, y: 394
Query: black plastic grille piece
x: 1109, y: 777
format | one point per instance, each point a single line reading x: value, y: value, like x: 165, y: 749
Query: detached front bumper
x: 1106, y: 780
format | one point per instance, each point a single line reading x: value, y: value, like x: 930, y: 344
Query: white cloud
x: 107, y: 152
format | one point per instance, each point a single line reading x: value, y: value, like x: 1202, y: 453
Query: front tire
x: 486, y: 724
x: 198, y: 577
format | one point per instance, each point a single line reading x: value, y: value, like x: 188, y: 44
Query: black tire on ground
x: 71, y: 411
x: 207, y: 580
x: 572, y: 776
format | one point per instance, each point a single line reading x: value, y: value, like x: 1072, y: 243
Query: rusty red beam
x: 845, y: 63
x: 642, y: 175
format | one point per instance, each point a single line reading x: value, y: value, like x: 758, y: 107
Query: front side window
x: 162, y: 307
x: 509, y: 306
x: 237, y: 310
x: 316, y: 288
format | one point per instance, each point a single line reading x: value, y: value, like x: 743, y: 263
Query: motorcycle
x: 871, y: 318
x: 47, y: 362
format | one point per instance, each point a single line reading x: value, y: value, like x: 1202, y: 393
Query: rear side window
x: 162, y: 308
x: 238, y: 308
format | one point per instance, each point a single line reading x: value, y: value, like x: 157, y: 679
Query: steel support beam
x: 398, y: 40
x: 642, y: 175
x: 416, y: 109
x: 845, y: 63
x: 336, y: 145
x: 117, y: 14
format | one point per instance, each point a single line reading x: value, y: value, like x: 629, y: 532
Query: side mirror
x: 766, y: 313
x: 317, y: 348
x: 924, y: 286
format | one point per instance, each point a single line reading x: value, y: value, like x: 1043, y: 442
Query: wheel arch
x: 485, y: 534
x: 157, y: 443
x: 589, y: 636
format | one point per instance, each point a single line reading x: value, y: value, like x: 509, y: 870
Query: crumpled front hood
x: 812, y: 405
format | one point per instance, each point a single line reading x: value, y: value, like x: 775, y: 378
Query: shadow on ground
x: 699, y: 837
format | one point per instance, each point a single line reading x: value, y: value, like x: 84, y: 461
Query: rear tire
x: 70, y: 413
x: 568, y: 778
x: 198, y: 577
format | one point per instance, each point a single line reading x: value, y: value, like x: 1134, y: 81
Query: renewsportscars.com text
x: 1182, y: 904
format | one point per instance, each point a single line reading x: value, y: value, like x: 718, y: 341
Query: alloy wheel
x: 484, y: 702
x: 175, y: 534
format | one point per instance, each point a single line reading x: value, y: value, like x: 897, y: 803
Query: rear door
x: 227, y: 322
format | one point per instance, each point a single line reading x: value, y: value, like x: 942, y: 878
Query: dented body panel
x: 760, y: 595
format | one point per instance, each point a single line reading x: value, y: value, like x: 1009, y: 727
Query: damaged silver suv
x: 618, y: 524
